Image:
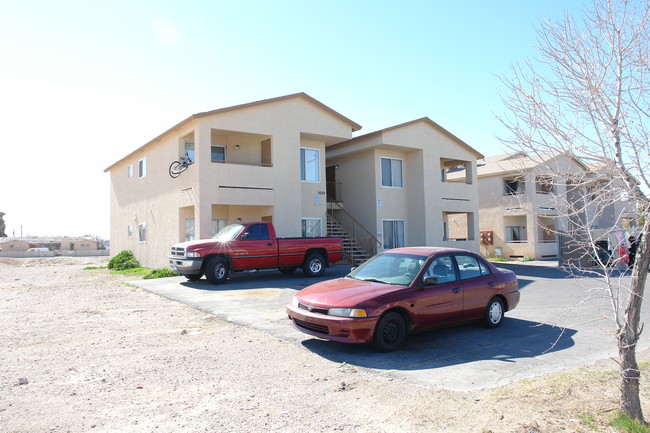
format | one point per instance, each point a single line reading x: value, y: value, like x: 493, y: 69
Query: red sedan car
x: 405, y: 290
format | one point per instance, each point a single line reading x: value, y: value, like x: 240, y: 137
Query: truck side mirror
x: 245, y: 236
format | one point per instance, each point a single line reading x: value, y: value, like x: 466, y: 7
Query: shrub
x: 122, y: 261
x: 160, y: 273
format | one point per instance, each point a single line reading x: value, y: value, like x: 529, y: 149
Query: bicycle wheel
x: 176, y: 168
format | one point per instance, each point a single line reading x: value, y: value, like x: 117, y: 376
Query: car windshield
x: 229, y: 233
x: 390, y: 268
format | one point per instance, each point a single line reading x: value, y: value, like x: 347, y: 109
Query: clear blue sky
x: 83, y: 83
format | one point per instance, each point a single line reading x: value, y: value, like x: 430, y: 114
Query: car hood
x: 344, y: 292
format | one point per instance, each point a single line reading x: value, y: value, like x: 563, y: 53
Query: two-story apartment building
x: 272, y: 160
x: 393, y: 182
x: 523, y: 203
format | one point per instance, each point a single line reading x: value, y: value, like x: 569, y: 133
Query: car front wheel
x: 390, y: 332
x: 494, y: 313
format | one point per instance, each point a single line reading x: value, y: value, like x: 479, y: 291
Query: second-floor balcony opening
x: 231, y: 147
x: 544, y: 185
x: 514, y: 186
x: 454, y: 170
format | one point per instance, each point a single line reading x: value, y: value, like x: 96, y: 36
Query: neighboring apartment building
x: 394, y: 183
x: 266, y: 160
x: 519, y: 212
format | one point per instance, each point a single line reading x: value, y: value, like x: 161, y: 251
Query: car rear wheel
x: 217, y: 270
x: 494, y: 313
x: 390, y: 332
x: 314, y: 265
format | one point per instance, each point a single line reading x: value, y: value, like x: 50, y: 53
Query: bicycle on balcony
x: 177, y: 167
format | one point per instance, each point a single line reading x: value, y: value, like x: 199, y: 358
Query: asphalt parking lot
x: 560, y: 323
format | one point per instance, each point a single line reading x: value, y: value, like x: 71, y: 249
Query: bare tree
x: 588, y: 95
x: 2, y: 225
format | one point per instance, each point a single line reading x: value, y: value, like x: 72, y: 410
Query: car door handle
x: 269, y: 245
x: 491, y: 283
x: 456, y: 289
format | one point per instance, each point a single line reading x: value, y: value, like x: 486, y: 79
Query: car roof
x: 426, y: 251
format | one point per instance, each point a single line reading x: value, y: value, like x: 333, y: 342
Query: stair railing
x: 357, y: 232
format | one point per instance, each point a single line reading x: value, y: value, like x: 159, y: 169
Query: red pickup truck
x: 252, y: 245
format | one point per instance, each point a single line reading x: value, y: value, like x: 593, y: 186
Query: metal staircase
x: 355, y: 253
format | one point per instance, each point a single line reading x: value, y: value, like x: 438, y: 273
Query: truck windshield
x: 229, y: 233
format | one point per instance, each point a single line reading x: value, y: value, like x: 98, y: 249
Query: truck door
x: 256, y: 249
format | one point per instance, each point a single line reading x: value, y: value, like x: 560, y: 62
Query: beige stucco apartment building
x: 272, y: 160
x: 393, y: 182
x: 519, y: 209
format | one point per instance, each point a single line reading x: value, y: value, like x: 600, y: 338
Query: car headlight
x: 347, y: 312
x: 294, y: 301
x: 193, y: 254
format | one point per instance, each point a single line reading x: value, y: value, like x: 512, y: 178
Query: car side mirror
x: 430, y: 281
x: 245, y: 236
x: 352, y: 268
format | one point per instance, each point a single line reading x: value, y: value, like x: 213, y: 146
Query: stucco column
x: 203, y: 209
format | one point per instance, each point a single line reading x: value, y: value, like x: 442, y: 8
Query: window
x: 516, y: 234
x: 442, y: 269
x: 391, y: 173
x: 129, y: 170
x: 471, y: 267
x: 513, y: 186
x: 189, y: 229
x: 218, y: 225
x: 142, y: 232
x: 309, y: 165
x: 142, y: 168
x: 218, y: 154
x: 311, y: 227
x: 393, y: 234
x: 189, y: 150
x: 544, y: 185
x: 129, y: 231
x: 257, y: 232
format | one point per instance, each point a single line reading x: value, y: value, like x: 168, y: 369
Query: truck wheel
x: 287, y: 270
x: 217, y: 270
x: 194, y: 277
x: 314, y: 265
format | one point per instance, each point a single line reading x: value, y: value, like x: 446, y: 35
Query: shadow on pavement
x: 515, y: 339
x: 268, y: 279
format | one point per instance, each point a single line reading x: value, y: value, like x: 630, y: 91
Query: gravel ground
x: 81, y: 350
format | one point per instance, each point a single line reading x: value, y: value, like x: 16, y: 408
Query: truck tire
x: 314, y: 265
x: 287, y: 270
x: 217, y: 270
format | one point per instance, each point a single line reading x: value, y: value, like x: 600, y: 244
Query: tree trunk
x: 629, y: 333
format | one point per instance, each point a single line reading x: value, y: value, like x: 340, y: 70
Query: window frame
x: 401, y: 172
x: 383, y: 233
x: 521, y: 186
x: 303, y: 224
x: 142, y: 233
x: 142, y: 168
x: 303, y: 165
x: 218, y: 161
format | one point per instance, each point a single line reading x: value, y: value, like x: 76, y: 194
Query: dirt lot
x: 81, y: 350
